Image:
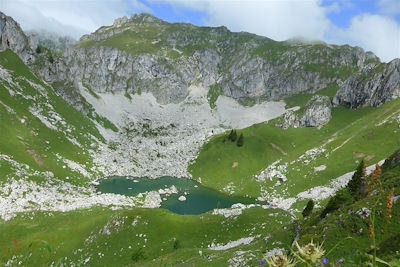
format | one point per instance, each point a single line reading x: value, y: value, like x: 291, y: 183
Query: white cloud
x: 376, y: 33
x: 276, y: 19
x: 390, y: 7
x: 279, y: 20
x: 68, y: 17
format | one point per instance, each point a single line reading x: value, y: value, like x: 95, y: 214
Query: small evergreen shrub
x: 239, y: 142
x: 308, y: 209
x: 176, y: 244
x: 138, y: 255
x: 356, y: 181
x: 39, y: 49
x: 341, y: 198
x: 232, y: 135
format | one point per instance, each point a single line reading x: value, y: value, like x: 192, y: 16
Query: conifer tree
x: 357, y: 179
x: 51, y: 59
x: 342, y: 198
x: 38, y: 49
x: 239, y: 142
x: 234, y: 136
x: 230, y: 136
x: 308, y: 209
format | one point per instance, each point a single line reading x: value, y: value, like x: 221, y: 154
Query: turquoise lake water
x: 199, y: 199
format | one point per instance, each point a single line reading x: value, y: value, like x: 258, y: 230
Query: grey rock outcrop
x: 290, y: 120
x: 299, y: 69
x: 392, y: 161
x: 242, y: 76
x: 12, y: 37
x: 317, y: 113
x: 111, y: 70
x: 244, y: 65
x: 371, y: 87
x: 119, y: 24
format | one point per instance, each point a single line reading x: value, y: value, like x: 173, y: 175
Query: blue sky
x: 172, y: 13
x: 354, y: 8
x: 373, y: 25
x: 341, y: 18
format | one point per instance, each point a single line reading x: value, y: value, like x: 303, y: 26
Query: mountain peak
x: 141, y: 18
x: 146, y: 18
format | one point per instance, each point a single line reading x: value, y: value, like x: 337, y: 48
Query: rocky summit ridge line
x: 146, y: 54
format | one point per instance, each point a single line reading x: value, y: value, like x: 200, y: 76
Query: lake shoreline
x: 181, y: 196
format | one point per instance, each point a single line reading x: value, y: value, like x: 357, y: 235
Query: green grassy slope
x: 170, y: 40
x: 349, y: 136
x: 351, y: 233
x: 27, y: 139
x: 112, y: 238
x: 139, y: 36
x: 154, y: 237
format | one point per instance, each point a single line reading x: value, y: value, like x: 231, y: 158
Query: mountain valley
x: 277, y: 124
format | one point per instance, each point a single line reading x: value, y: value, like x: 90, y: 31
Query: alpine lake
x: 199, y: 199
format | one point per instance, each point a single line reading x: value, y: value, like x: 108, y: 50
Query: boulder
x: 316, y: 113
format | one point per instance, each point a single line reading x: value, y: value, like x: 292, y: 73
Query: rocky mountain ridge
x: 265, y: 69
x: 12, y: 37
x: 181, y: 55
x: 371, y: 87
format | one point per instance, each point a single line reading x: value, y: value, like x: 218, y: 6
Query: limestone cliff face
x: 111, y: 70
x: 145, y: 54
x: 174, y: 56
x: 12, y: 37
x: 303, y: 69
x: 371, y: 87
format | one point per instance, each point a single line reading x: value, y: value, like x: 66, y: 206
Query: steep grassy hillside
x: 53, y: 143
x: 348, y: 233
x: 39, y: 129
x: 138, y: 237
x: 148, y: 237
x: 351, y: 135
